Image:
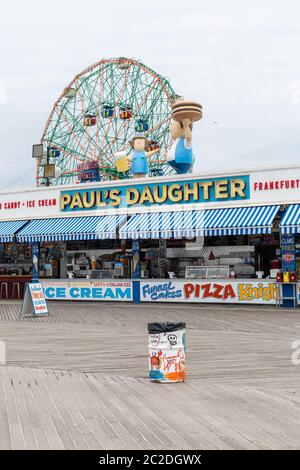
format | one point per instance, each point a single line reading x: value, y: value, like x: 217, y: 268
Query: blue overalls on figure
x: 139, y: 163
x: 180, y: 156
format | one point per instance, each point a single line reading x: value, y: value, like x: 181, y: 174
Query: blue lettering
x: 50, y: 292
x: 161, y: 291
x: 85, y: 293
x: 97, y: 292
x: 74, y: 292
x: 109, y: 293
x: 123, y: 294
x: 61, y: 292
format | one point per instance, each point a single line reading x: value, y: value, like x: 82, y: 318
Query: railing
x: 280, y: 297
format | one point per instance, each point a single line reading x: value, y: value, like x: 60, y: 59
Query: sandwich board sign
x: 34, y: 301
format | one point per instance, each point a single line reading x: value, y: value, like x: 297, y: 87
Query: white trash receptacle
x: 166, y: 352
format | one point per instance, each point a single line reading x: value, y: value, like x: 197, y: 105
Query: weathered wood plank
x: 78, y: 379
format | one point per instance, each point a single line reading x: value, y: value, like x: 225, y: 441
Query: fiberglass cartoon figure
x: 180, y: 155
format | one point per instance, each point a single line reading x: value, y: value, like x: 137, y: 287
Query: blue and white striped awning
x: 214, y: 222
x: 9, y: 228
x: 71, y: 228
x: 290, y: 222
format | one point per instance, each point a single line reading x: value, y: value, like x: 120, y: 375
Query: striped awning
x: 214, y: 222
x: 71, y: 228
x: 290, y: 222
x: 9, y: 228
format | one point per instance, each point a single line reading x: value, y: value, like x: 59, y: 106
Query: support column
x: 136, y: 270
x: 288, y: 255
x: 136, y: 259
x: 35, y: 256
x: 162, y: 258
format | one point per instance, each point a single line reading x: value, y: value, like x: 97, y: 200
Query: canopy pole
x: 35, y: 257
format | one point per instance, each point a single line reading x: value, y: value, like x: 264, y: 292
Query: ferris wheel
x: 97, y: 115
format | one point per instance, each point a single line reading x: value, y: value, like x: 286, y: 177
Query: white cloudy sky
x: 240, y: 59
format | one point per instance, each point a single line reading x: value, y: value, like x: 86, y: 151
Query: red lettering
x: 188, y: 290
x: 206, y: 291
x: 229, y: 292
x: 217, y: 292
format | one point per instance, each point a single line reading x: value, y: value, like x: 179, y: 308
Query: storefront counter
x: 241, y: 291
x: 11, y: 280
x: 85, y: 289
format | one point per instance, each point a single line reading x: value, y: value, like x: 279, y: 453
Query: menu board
x: 34, y: 300
x: 288, y: 252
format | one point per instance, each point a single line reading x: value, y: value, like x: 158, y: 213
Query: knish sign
x: 182, y: 192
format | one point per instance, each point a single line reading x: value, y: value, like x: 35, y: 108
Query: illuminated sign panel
x: 279, y: 186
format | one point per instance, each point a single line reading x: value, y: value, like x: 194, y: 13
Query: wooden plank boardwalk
x: 78, y: 379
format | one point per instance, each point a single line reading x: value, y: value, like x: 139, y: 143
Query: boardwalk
x: 78, y: 379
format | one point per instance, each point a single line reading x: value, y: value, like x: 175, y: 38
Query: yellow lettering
x: 65, y: 199
x: 76, y: 201
x: 191, y: 191
x: 88, y: 202
x: 206, y: 185
x: 146, y: 195
x: 237, y: 188
x: 99, y: 201
x: 175, y: 193
x: 159, y: 198
x: 115, y: 197
x: 261, y: 291
x: 222, y: 189
x: 245, y: 291
x: 132, y: 196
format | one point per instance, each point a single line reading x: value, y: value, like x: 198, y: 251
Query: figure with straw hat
x: 140, y: 155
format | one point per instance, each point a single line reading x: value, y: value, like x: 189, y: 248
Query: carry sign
x: 34, y: 300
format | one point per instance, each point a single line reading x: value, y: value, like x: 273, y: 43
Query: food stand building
x: 183, y: 238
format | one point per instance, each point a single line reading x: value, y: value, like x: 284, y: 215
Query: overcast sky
x: 240, y: 59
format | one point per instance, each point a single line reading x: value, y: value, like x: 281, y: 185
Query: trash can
x: 167, y: 352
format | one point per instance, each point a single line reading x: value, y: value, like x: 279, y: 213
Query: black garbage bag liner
x: 164, y: 327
